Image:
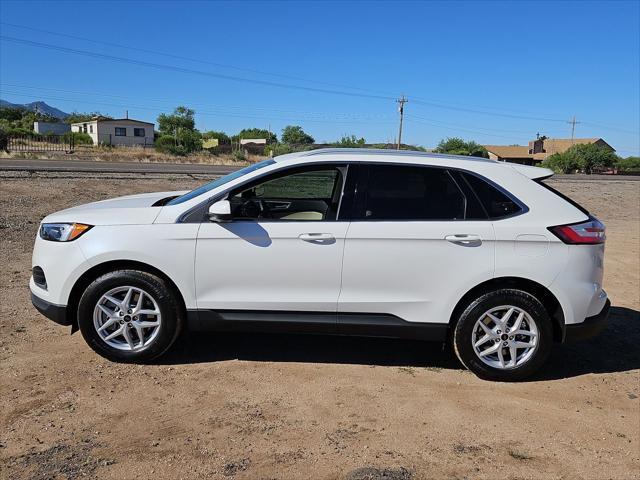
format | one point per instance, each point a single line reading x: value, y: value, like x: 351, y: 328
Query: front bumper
x: 591, y: 326
x: 57, y: 313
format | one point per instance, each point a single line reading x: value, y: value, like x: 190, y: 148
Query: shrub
x: 79, y: 138
x: 565, y: 162
x: 188, y: 142
x: 283, y: 148
x: 629, y: 164
x: 350, y: 142
x: 239, y: 156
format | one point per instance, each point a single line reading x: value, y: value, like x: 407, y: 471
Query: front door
x: 282, y: 251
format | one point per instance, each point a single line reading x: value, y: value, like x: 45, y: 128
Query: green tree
x: 256, y: 133
x: 77, y: 117
x: 182, y: 118
x: 628, y: 164
x: 178, y: 134
x: 591, y: 156
x: 294, y: 135
x: 19, y: 121
x: 458, y: 146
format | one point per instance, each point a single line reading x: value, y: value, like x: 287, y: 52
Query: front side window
x: 138, y: 132
x: 121, y: 132
x: 401, y: 192
x: 303, y: 195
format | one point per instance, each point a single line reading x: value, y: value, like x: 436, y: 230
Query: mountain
x: 42, y: 107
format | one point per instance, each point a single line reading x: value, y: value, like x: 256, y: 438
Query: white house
x: 120, y: 131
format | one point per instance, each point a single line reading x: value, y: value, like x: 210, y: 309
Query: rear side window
x: 496, y: 203
x: 399, y: 192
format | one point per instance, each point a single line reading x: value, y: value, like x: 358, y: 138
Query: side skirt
x: 322, y: 323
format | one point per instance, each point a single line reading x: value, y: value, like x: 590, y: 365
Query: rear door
x: 415, y: 244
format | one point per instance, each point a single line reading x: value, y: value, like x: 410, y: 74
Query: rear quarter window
x: 496, y: 203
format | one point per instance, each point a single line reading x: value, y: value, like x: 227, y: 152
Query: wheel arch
x: 542, y: 293
x: 109, y: 266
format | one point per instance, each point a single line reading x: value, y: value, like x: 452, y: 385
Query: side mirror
x: 220, y: 211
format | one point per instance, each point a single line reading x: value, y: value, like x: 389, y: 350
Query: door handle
x: 317, y: 237
x: 464, y: 239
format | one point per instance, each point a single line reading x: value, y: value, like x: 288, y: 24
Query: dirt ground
x: 289, y: 407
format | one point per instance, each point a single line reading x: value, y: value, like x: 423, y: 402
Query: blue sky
x: 494, y: 72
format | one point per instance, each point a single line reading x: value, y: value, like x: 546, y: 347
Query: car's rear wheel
x: 503, y: 335
x: 129, y: 316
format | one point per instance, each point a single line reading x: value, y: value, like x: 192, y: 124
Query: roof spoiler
x: 534, y: 173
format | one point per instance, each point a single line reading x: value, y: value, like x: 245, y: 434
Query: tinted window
x: 121, y: 132
x: 412, y: 193
x: 138, y: 132
x: 496, y: 203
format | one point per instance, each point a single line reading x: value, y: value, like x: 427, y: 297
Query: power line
x: 199, y: 112
x: 416, y: 100
x: 458, y: 129
x: 189, y: 59
x: 188, y: 70
x: 431, y: 102
x: 163, y: 101
x: 261, y: 82
x: 456, y: 125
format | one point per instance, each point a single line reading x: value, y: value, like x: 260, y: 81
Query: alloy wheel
x: 505, y: 337
x: 127, y: 318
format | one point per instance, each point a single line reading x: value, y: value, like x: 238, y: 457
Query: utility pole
x: 401, y: 101
x: 573, y: 123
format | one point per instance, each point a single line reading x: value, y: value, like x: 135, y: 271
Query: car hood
x: 128, y: 210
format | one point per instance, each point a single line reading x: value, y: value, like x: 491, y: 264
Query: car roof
x: 376, y: 155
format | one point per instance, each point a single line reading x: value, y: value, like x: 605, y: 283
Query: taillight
x: 591, y: 232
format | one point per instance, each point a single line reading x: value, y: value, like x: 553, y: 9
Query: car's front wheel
x: 129, y: 316
x: 503, y: 335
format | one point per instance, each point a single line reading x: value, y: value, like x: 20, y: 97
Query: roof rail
x: 388, y: 152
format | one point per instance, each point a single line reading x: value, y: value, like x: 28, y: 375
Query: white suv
x: 337, y: 241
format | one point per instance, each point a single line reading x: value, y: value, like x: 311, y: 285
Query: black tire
x: 165, y: 297
x: 464, y: 329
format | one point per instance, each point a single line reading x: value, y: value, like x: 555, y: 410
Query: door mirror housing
x: 220, y: 211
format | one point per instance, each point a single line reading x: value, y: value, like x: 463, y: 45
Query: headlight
x: 62, y: 232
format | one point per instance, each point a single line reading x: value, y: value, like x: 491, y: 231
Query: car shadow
x: 210, y: 347
x: 614, y: 350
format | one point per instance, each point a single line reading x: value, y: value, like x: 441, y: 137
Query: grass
x: 138, y: 155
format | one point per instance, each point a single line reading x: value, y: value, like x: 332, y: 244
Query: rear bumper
x: 591, y: 326
x: 57, y: 313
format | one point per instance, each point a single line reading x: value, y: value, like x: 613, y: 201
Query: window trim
x: 198, y: 213
x: 116, y: 134
x: 363, y: 180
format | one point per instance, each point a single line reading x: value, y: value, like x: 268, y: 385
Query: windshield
x: 220, y: 181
